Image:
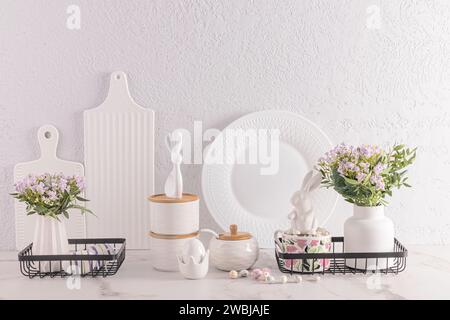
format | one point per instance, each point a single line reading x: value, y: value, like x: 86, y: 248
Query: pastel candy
x: 233, y: 274
x: 256, y: 273
x: 243, y: 273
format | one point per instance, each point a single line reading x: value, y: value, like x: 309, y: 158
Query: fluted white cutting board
x: 48, y: 137
x: 119, y: 161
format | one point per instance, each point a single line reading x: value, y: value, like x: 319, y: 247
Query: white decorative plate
x: 240, y: 194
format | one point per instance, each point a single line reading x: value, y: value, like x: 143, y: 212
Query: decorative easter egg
x: 195, y: 249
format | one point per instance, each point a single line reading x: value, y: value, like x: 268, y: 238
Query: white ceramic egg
x: 195, y: 249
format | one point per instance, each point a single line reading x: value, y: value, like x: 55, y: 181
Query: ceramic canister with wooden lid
x: 233, y: 250
x: 174, y: 216
x: 173, y: 222
x: 166, y: 248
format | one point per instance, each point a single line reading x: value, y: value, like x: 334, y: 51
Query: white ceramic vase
x: 369, y: 230
x: 50, y: 238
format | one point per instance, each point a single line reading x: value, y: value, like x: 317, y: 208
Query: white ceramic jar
x: 165, y: 249
x: 369, y: 230
x: 173, y: 222
x: 172, y: 216
x: 233, y: 250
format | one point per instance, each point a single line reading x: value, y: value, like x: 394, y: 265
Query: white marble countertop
x: 427, y: 277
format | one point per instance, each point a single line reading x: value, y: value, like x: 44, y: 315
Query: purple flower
x: 349, y: 165
x: 361, y: 176
x: 44, y: 191
x: 80, y: 183
x: 20, y: 186
x: 373, y: 179
x: 63, y: 184
x: 368, y: 150
x: 40, y: 188
x: 30, y: 180
x: 379, y: 168
x: 377, y: 181
x: 341, y: 169
x: 364, y: 166
x: 380, y: 185
x: 52, y: 195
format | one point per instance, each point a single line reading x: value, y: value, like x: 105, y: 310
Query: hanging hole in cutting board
x: 118, y: 76
x: 47, y: 135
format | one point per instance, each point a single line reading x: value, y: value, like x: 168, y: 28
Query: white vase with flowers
x: 51, y: 197
x: 365, y: 176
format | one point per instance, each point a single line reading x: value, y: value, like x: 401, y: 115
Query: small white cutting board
x: 119, y: 160
x: 48, y: 137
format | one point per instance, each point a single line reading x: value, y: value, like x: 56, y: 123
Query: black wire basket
x: 80, y: 263
x: 339, y: 262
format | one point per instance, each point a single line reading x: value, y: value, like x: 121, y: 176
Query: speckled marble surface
x: 427, y: 277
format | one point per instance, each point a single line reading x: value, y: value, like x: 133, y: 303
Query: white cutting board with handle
x: 119, y: 160
x: 48, y: 137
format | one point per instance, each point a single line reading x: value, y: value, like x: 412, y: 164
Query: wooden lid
x: 172, y: 236
x: 234, y: 234
x: 162, y: 198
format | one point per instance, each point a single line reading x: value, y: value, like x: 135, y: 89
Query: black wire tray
x: 75, y: 264
x: 341, y: 262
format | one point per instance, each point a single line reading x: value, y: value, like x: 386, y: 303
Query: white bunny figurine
x: 173, y: 187
x: 302, y: 218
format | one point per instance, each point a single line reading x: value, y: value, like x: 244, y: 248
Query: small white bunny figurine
x: 302, y: 217
x: 173, y: 187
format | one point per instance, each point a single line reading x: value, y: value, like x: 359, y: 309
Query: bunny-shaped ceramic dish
x: 304, y: 235
x: 303, y: 219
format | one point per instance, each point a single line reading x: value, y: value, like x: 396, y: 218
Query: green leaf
x: 351, y: 181
x: 76, y: 206
x: 81, y: 199
x: 81, y: 208
x: 40, y: 209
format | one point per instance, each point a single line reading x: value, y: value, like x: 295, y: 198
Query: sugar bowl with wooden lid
x: 233, y: 250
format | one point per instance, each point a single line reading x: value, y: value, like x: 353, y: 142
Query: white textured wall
x: 217, y: 60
